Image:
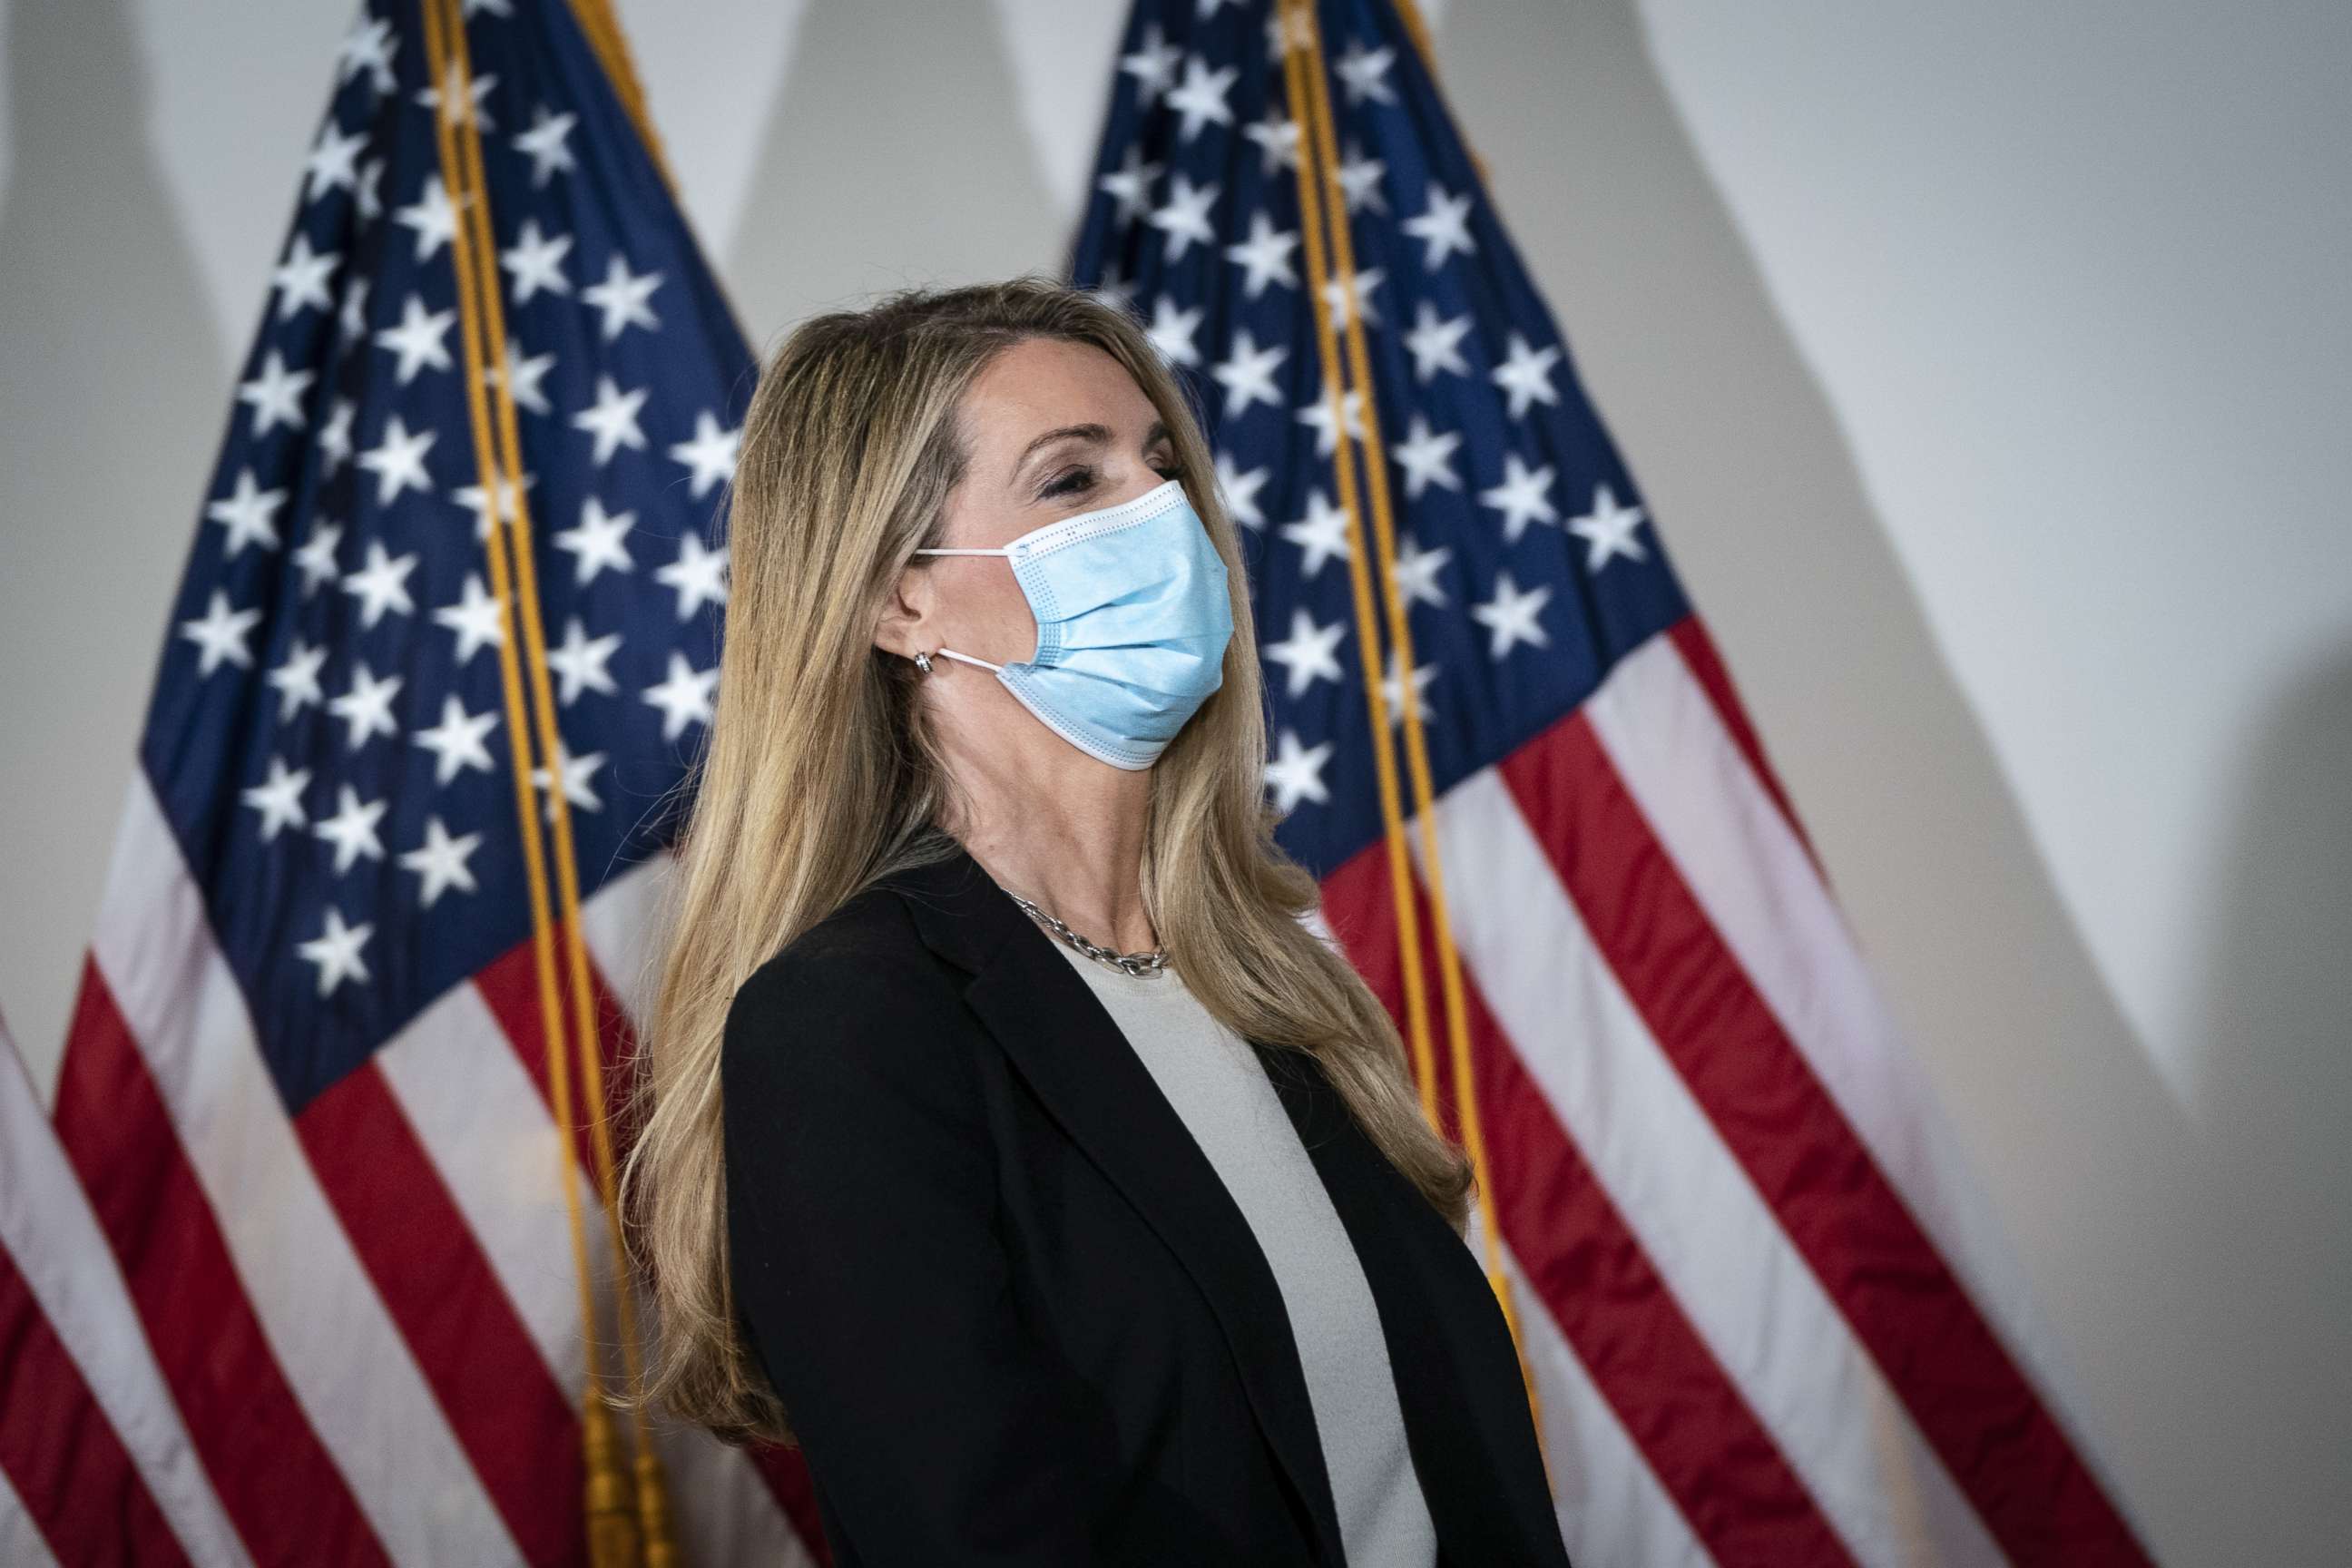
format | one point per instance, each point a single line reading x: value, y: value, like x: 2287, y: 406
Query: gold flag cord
x: 1304, y: 74
x: 627, y: 1525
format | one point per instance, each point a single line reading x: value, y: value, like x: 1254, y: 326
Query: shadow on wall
x: 113, y: 403
x: 2198, y: 1303
x: 875, y: 163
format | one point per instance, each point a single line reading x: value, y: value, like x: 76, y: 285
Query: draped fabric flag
x: 1763, y: 1319
x: 367, y: 951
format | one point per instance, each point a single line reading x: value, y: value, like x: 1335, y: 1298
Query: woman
x: 1011, y: 1146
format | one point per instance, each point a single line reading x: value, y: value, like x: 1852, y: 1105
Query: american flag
x: 1764, y: 1316
x: 320, y: 1303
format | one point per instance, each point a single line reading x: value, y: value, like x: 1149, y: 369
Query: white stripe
x: 1746, y: 867
x: 1719, y: 1249
x: 480, y: 1118
x: 21, y: 1545
x: 342, y: 1355
x: 47, y: 1227
x: 620, y: 923
x: 1613, y: 1508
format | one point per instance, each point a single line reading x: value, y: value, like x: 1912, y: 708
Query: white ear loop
x: 950, y: 653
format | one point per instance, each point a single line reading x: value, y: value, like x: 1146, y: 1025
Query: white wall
x: 1987, y: 368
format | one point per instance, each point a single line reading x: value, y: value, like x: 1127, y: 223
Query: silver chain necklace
x: 1136, y: 963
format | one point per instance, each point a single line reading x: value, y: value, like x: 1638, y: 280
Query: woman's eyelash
x: 1078, y: 479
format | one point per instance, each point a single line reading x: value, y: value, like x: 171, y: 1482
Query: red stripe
x: 1682, y: 1410
x: 61, y: 1454
x: 1976, y: 1409
x: 278, y: 1483
x: 470, y: 1343
x: 510, y: 988
x: 1692, y: 640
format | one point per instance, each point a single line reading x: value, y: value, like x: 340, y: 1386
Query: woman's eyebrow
x: 1093, y: 435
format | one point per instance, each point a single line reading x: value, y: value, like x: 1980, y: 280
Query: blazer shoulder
x: 865, y: 951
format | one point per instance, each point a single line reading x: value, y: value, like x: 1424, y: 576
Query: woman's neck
x: 1067, y: 836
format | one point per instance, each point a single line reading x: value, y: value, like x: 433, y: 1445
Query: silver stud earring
x: 923, y: 661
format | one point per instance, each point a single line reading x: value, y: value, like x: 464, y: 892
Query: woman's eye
x: 1072, y: 482
x: 1170, y: 472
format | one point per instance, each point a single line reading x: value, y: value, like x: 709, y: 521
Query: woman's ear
x: 898, y: 624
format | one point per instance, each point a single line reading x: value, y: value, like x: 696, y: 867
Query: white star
x: 578, y: 775
x: 1130, y: 183
x: 1443, y: 228
x: 1171, y: 330
x: 352, y: 315
x: 1265, y: 256
x: 579, y: 664
x: 476, y: 499
x: 248, y: 513
x: 316, y: 558
x: 1523, y: 497
x: 1276, y: 136
x: 711, y: 453
x: 1153, y: 67
x: 456, y: 742
x: 1364, y: 72
x: 683, y: 697
x: 1318, y: 417
x: 1360, y: 180
x: 1247, y: 374
x: 1114, y: 290
x: 1436, y: 344
x: 296, y: 681
x: 699, y: 575
x: 300, y: 280
x: 613, y: 418
x: 337, y: 952
x: 622, y: 297
x: 220, y: 635
x: 398, y: 462
x: 381, y: 584
x: 367, y: 196
x: 537, y: 262
x: 1525, y: 374
x: 441, y: 861
x: 1200, y: 97
x: 1322, y: 533
x: 598, y: 542
x: 522, y: 373
x: 1415, y: 572
x: 1427, y: 457
x: 368, y: 46
x: 544, y: 142
x: 330, y: 161
x: 1609, y: 528
x: 1511, y: 615
x: 476, y: 618
x: 1392, y: 689
x: 432, y: 217
x: 1296, y: 773
x: 1341, y: 294
x: 417, y: 339
x: 278, y: 798
x: 276, y: 394
x: 335, y: 435
x: 367, y: 706
x: 1310, y: 653
x: 351, y: 830
x: 1185, y: 217
x: 473, y: 94
x: 1239, y: 491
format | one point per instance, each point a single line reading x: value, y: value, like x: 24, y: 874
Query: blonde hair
x: 819, y: 777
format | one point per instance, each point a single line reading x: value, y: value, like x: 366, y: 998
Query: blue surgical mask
x: 1132, y: 623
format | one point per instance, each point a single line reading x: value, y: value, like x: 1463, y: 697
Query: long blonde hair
x: 820, y: 777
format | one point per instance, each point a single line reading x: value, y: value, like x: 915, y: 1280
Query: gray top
x: 1212, y: 1078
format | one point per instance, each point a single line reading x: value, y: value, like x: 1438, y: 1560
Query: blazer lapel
x: 1069, y: 1050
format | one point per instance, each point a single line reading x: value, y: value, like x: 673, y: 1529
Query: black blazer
x: 1013, y: 1312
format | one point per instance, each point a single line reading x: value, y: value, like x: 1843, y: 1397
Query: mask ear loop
x: 950, y: 653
